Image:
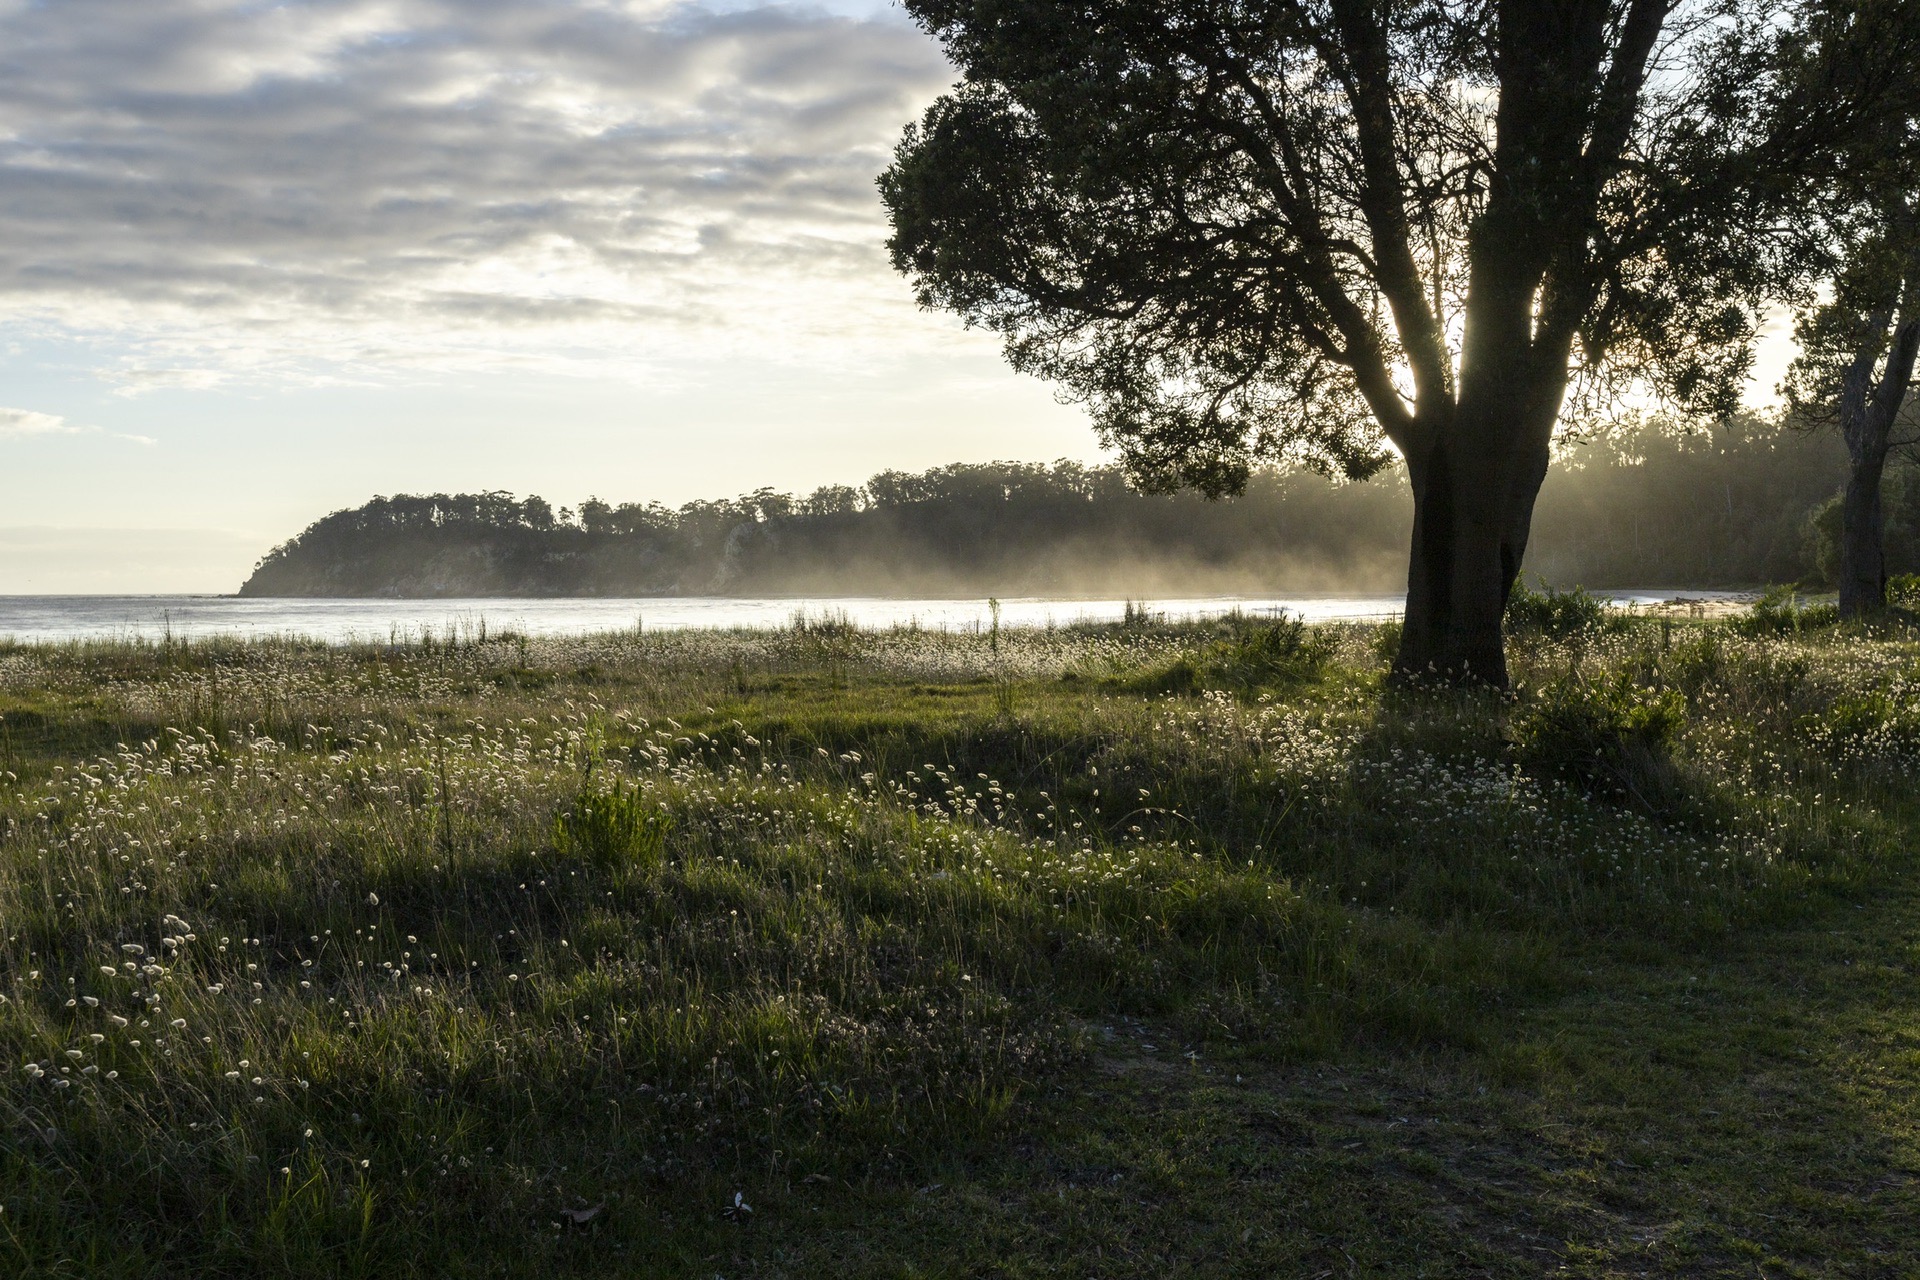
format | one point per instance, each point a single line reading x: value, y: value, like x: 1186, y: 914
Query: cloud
x: 20, y: 423
x: 27, y: 422
x: 239, y: 190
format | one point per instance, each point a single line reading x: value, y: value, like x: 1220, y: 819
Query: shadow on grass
x: 1752, y: 1113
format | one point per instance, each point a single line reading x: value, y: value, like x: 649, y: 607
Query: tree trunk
x: 1863, y: 559
x: 1428, y: 568
x: 1480, y: 459
x: 1470, y: 525
x: 1529, y: 473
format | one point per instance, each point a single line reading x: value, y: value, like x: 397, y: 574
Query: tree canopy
x: 1241, y: 231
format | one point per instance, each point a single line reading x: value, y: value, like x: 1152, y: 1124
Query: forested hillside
x: 1648, y: 508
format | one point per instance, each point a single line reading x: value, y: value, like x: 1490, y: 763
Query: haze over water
x: 52, y: 619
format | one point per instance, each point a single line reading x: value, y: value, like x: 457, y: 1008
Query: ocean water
x: 61, y: 618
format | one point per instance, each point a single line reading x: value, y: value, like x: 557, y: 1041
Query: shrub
x: 1723, y: 676
x: 613, y: 828
x: 1697, y: 662
x: 1779, y: 610
x: 1278, y: 653
x: 1282, y: 650
x: 1554, y: 613
x: 1608, y: 737
x: 1882, y: 726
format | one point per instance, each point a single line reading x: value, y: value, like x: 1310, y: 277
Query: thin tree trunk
x: 1868, y: 409
x: 1529, y: 473
x: 1429, y: 566
x: 1863, y: 559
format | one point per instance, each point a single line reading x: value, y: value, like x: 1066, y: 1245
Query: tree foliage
x: 1246, y: 230
x: 1861, y: 227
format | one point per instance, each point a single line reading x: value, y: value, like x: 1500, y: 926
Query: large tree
x: 1242, y: 230
x: 1860, y: 338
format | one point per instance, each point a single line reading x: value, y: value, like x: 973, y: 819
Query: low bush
x: 1880, y: 727
x: 612, y: 828
x: 1555, y: 613
x: 1609, y: 737
x: 1741, y: 677
x: 1779, y: 610
x: 1268, y: 655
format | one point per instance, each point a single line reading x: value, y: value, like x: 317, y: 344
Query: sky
x: 263, y: 259
x: 260, y: 261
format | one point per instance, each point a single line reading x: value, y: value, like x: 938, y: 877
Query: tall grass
x: 412, y: 958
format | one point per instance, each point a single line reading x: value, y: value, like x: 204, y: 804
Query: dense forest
x: 1643, y: 507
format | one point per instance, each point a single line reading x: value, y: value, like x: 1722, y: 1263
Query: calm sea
x: 56, y: 618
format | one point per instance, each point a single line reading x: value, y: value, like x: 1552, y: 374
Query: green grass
x: 1124, y: 951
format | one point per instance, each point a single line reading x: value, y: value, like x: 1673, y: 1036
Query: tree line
x: 1655, y: 506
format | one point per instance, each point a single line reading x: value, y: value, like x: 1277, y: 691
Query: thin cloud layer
x: 349, y: 186
x: 31, y: 422
x: 20, y: 424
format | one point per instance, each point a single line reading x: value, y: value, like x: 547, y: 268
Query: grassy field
x: 1103, y: 952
